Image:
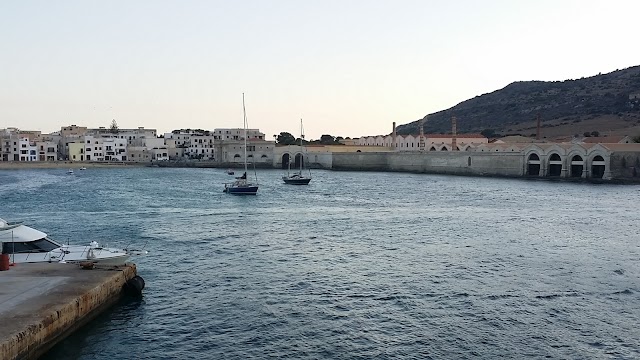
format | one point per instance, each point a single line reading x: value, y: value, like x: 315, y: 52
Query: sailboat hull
x: 296, y: 181
x: 241, y: 190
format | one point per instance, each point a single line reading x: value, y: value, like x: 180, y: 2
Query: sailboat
x: 242, y: 186
x: 298, y: 178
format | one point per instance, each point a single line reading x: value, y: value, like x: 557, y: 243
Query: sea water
x: 356, y: 265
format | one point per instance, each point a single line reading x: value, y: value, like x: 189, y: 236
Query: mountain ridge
x: 603, y: 102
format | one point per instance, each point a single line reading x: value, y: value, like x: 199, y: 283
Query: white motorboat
x: 28, y: 245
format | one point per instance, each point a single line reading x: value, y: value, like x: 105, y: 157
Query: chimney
x: 421, y: 143
x: 393, y: 136
x: 454, y: 130
x: 538, y: 128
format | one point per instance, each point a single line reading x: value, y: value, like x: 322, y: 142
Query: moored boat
x: 24, y: 244
x: 298, y: 177
x: 242, y: 186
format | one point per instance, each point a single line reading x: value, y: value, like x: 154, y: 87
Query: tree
x: 488, y: 133
x: 114, y: 127
x: 595, y: 134
x: 327, y: 139
x: 587, y: 134
x: 286, y: 138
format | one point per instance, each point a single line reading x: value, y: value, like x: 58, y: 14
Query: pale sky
x: 346, y: 67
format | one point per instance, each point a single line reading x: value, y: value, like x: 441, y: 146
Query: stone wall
x: 458, y: 163
x: 361, y: 161
x: 64, y: 310
x: 625, y: 165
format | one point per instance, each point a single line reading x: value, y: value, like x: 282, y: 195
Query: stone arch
x: 433, y: 148
x: 577, y: 166
x: 598, y: 167
x: 533, y: 164
x: 236, y: 156
x: 555, y: 165
x: 444, y: 148
x: 286, y: 158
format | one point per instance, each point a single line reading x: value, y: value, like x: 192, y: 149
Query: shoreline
x: 10, y: 165
x: 197, y: 164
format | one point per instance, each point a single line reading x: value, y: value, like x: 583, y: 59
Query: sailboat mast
x: 301, y: 152
x: 244, y: 112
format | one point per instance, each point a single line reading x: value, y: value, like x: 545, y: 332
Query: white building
x: 237, y: 134
x: 432, y: 142
x: 190, y: 144
x: 98, y: 149
x: 115, y: 149
x: 130, y: 135
x: 201, y: 146
x: 27, y: 149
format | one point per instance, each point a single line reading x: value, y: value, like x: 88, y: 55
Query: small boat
x: 83, y: 168
x: 230, y: 172
x: 70, y: 171
x: 28, y: 245
x: 298, y: 178
x: 242, y: 186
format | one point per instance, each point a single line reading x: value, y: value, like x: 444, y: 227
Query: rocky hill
x: 606, y: 103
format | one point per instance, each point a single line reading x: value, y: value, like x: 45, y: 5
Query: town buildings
x: 82, y: 144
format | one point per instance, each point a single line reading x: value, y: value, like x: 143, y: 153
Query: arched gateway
x: 533, y: 165
x: 555, y: 165
x: 577, y: 166
x: 597, y: 167
x: 285, y: 160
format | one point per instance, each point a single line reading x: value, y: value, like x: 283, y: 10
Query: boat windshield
x: 37, y: 246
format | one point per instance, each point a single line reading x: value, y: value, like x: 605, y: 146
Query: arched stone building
x: 567, y: 160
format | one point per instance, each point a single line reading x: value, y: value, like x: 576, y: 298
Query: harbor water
x: 354, y: 266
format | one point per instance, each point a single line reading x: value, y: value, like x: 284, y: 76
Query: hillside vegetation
x: 607, y: 103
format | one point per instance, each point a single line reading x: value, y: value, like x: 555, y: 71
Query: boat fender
x: 134, y: 286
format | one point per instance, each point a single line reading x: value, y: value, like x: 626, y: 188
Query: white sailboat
x: 297, y: 177
x: 242, y: 186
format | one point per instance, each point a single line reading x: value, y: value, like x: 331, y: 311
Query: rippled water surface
x: 356, y: 265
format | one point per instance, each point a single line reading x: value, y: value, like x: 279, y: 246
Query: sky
x: 346, y: 67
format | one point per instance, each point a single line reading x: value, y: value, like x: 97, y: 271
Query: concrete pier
x: 41, y: 304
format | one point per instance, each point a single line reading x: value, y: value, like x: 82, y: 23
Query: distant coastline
x: 13, y: 165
